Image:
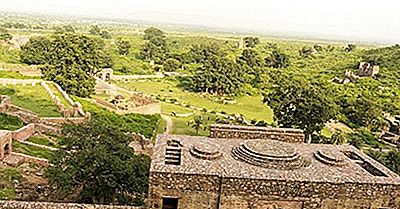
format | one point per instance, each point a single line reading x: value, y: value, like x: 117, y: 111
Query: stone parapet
x: 253, y: 132
x: 52, y: 205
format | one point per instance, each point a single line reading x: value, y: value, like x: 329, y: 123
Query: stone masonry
x: 253, y: 132
x: 51, y: 205
x: 191, y: 172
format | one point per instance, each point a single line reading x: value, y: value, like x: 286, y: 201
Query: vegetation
x: 32, y: 150
x: 299, y: 103
x: 41, y: 103
x: 97, y: 159
x: 8, y: 176
x: 69, y: 59
x: 9, y: 122
x: 143, y: 124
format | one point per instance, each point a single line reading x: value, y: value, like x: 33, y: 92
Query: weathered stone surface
x: 51, y: 205
x: 252, y: 132
x: 230, y: 183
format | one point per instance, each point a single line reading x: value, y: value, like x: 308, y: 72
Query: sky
x: 359, y: 20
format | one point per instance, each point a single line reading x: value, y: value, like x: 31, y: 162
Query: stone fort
x: 240, y: 167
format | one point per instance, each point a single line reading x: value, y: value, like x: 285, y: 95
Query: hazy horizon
x: 370, y: 21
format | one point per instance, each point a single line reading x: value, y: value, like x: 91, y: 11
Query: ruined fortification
x: 255, y: 171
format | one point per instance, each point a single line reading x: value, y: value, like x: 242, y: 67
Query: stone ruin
x: 391, y: 134
x: 265, y: 168
x: 106, y: 74
x: 135, y: 100
x: 367, y: 69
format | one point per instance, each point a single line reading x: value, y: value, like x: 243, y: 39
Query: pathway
x: 169, y: 123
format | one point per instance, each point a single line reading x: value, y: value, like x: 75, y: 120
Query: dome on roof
x: 269, y: 154
x: 206, y: 151
x: 330, y: 157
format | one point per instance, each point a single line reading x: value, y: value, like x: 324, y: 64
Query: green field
x: 33, y: 98
x: 31, y: 150
x: 251, y: 107
x: 8, y: 122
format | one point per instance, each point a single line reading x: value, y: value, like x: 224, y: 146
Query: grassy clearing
x: 33, y: 98
x: 181, y: 126
x: 58, y: 93
x: 12, y: 74
x: 8, y: 122
x: 143, y: 124
x: 31, y: 150
x: 7, y: 178
x: 250, y: 106
x: 41, y: 141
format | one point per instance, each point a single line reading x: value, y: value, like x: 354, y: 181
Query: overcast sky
x: 364, y: 20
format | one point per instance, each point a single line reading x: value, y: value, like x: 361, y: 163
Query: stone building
x: 5, y: 144
x: 367, y: 69
x: 235, y: 172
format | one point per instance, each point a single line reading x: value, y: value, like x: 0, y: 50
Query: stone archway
x: 7, y: 150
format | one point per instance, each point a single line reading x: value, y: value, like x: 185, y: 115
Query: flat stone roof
x: 289, y: 162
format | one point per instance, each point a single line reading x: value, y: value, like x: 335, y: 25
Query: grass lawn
x: 250, y: 106
x: 31, y: 150
x: 168, y: 108
x: 9, y: 122
x: 41, y: 141
x: 7, y: 178
x: 58, y: 93
x: 33, y: 98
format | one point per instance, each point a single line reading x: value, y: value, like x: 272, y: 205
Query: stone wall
x: 24, y: 82
x: 201, y: 192
x: 253, y: 132
x: 51, y: 205
x: 31, y: 159
x: 193, y: 191
x: 5, y: 143
x: 24, y: 133
x: 73, y: 110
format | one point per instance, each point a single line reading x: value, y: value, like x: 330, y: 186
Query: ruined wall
x: 193, y: 191
x: 50, y: 205
x: 201, y: 192
x: 24, y: 133
x: 253, y: 132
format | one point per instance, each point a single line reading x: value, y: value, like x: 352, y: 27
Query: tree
x: 197, y: 123
x: 218, y: 76
x: 277, y: 59
x: 5, y: 35
x: 392, y: 160
x: 123, y: 47
x: 251, y: 41
x: 36, y: 51
x: 252, y: 66
x: 153, y: 32
x: 306, y: 52
x: 96, y: 161
x: 300, y: 103
x: 350, y: 47
x: 156, y: 46
x: 201, y: 53
x: 362, y: 110
x: 171, y: 65
x: 73, y: 61
x: 95, y: 30
x: 105, y: 34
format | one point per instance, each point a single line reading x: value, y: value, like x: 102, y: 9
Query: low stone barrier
x: 31, y: 159
x: 24, y: 82
x: 52, y: 205
x: 253, y: 132
x: 24, y: 133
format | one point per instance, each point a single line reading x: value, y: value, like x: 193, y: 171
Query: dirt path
x: 169, y: 124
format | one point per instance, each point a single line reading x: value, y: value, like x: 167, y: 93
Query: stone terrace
x: 230, y: 166
x: 253, y: 132
x: 227, y: 173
